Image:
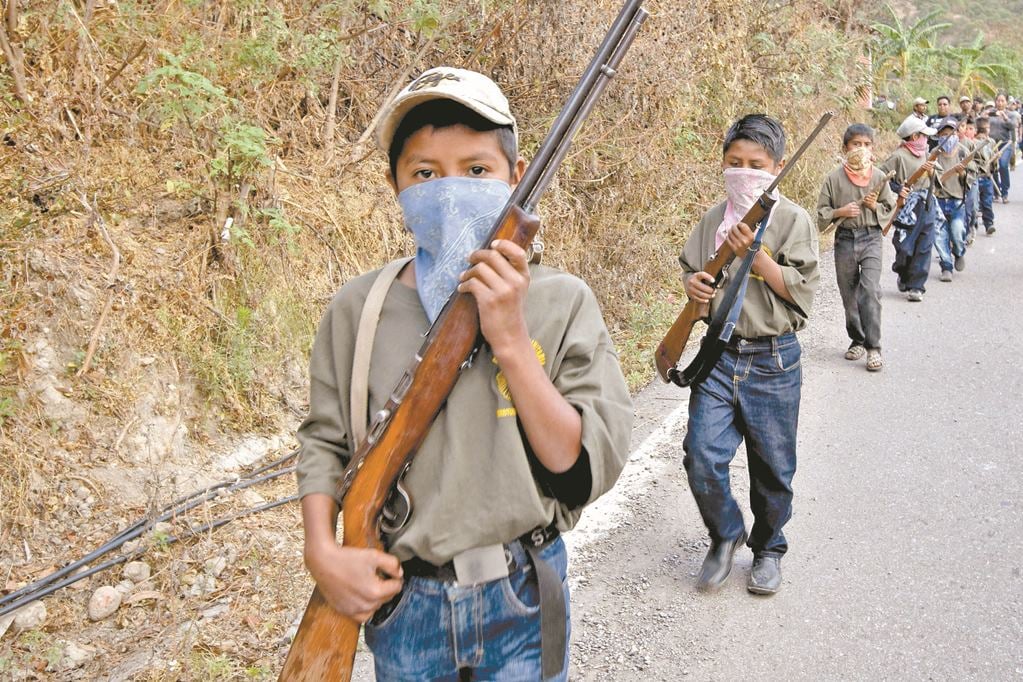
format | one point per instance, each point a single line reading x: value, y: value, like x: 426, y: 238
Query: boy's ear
x: 518, y: 170
x: 780, y: 166
x: 391, y: 181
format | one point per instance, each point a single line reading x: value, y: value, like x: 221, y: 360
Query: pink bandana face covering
x: 743, y: 187
x: 917, y: 147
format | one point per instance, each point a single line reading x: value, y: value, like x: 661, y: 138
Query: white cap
x: 920, y: 100
x: 913, y: 125
x: 965, y: 98
x: 469, y: 88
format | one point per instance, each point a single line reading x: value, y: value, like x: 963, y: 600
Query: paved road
x: 906, y: 559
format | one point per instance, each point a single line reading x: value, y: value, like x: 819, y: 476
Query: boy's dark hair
x: 943, y: 97
x: 760, y: 129
x: 983, y: 124
x: 444, y: 113
x: 857, y: 129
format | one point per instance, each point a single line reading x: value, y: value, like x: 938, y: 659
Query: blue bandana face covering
x: 949, y: 143
x: 450, y: 218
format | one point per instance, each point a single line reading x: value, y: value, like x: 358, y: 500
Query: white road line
x: 609, y: 511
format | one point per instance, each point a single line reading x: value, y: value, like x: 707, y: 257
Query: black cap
x: 947, y: 122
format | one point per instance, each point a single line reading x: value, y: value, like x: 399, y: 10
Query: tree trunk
x: 12, y: 53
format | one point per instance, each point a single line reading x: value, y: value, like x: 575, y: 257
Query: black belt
x: 553, y: 610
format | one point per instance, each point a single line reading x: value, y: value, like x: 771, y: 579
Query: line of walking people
x: 935, y: 190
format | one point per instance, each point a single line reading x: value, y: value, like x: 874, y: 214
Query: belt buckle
x: 480, y: 565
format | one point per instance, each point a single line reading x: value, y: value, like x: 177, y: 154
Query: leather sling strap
x: 364, y: 336
x: 553, y: 614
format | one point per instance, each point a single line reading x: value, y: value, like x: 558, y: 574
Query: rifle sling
x: 364, y: 336
x: 722, y: 325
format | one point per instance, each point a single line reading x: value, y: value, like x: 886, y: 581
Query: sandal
x: 874, y: 361
x: 855, y: 352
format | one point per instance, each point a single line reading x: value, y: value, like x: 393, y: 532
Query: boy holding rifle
x: 537, y: 426
x: 914, y: 221
x: 857, y: 195
x: 985, y: 183
x: 753, y: 391
x: 950, y: 169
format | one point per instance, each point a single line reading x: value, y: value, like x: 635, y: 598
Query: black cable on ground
x: 175, y: 508
x: 217, y: 523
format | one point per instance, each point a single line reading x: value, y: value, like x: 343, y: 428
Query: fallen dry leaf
x: 143, y: 595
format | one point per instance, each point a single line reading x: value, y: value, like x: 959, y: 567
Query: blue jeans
x: 913, y: 246
x: 987, y: 199
x: 1003, y: 169
x: 751, y: 395
x: 972, y: 207
x: 441, y: 631
x: 950, y: 239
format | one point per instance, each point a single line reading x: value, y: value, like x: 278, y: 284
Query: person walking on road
x: 860, y: 217
x: 914, y: 224
x: 752, y: 393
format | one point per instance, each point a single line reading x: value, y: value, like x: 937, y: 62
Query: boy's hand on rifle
x: 904, y: 193
x: 700, y: 287
x: 850, y: 210
x: 354, y: 581
x: 870, y: 201
x: 960, y: 168
x: 498, y: 278
x: 928, y: 167
x: 740, y: 237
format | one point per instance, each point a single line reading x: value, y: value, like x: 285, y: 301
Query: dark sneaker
x: 946, y: 276
x: 960, y: 263
x: 765, y: 577
x: 718, y: 563
x: 915, y: 295
x: 990, y: 230
x: 902, y: 287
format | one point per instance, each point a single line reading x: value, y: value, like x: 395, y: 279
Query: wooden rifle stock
x: 670, y: 349
x: 324, y: 646
x: 969, y: 157
x: 913, y: 179
x: 835, y: 224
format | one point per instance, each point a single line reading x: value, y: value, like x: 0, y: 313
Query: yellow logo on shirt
x: 502, y: 381
x: 763, y: 247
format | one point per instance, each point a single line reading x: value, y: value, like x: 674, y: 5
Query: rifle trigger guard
x: 398, y: 509
x: 471, y: 359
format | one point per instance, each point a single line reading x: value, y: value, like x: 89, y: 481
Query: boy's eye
x: 477, y: 170
x: 425, y: 174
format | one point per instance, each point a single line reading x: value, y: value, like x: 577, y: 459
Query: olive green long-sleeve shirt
x: 473, y: 481
x: 838, y: 190
x: 791, y: 241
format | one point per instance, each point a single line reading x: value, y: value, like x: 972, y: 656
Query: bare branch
x: 15, y: 60
x: 328, y: 130
x: 12, y: 17
x: 97, y: 219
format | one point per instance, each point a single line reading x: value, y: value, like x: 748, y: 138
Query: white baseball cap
x: 913, y: 125
x: 469, y: 88
x: 920, y: 100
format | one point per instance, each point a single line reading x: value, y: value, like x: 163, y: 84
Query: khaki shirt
x: 791, y: 240
x: 838, y: 190
x: 470, y: 482
x: 952, y: 187
x: 904, y: 164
